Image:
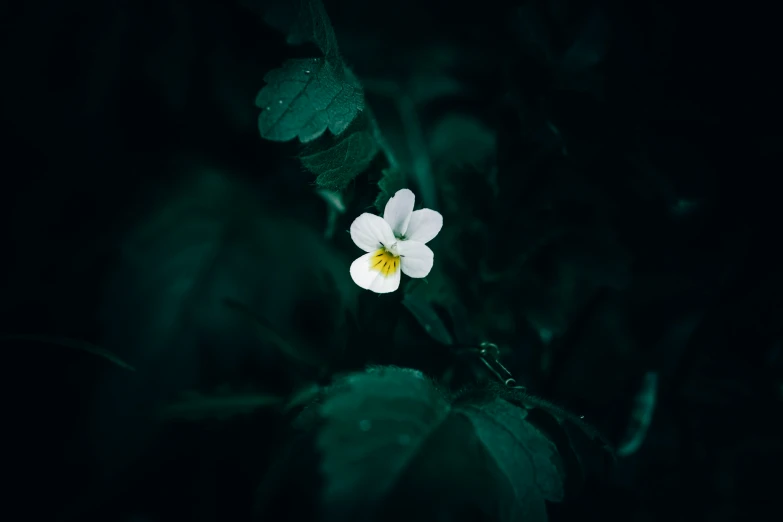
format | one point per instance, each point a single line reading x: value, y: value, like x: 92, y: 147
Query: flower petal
x: 398, y: 211
x: 424, y: 225
x: 417, y: 258
x: 366, y: 276
x: 371, y: 232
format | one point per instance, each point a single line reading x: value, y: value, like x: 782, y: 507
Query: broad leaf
x: 336, y: 161
x: 380, y: 436
x: 197, y: 244
x: 374, y: 427
x: 305, y: 97
x: 525, y: 456
x: 579, y: 441
x: 428, y: 318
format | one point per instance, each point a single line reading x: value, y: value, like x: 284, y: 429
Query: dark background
x: 114, y: 110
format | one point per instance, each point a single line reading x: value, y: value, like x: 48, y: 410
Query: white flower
x: 394, y: 243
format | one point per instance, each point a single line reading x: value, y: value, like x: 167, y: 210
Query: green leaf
x: 305, y: 21
x: 380, y: 439
x: 336, y: 161
x: 529, y: 460
x: 582, y: 447
x: 75, y: 344
x: 562, y: 416
x: 392, y: 180
x: 428, y: 318
x: 202, y: 238
x: 374, y: 427
x: 305, y: 97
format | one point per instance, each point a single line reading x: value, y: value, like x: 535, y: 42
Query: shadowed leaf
x: 380, y: 433
x: 336, y: 161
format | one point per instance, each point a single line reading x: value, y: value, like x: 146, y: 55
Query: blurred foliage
x: 607, y: 274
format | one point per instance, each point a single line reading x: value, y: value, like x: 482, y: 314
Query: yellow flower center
x: 384, y: 262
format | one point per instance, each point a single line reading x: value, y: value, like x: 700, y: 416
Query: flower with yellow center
x: 394, y: 243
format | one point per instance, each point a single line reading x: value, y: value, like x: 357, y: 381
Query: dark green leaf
x: 337, y: 161
x: 428, y: 318
x: 375, y: 425
x: 524, y: 455
x: 393, y: 179
x: 304, y: 21
x: 201, y: 240
x: 305, y: 97
x: 561, y: 415
x: 380, y: 433
x: 586, y: 442
x: 75, y: 344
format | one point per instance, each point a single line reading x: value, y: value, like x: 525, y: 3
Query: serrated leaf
x: 573, y: 425
x: 558, y: 413
x: 381, y: 426
x: 305, y: 97
x: 337, y: 162
x: 75, y: 344
x: 526, y: 457
x: 375, y: 423
x: 304, y: 21
x: 392, y: 180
